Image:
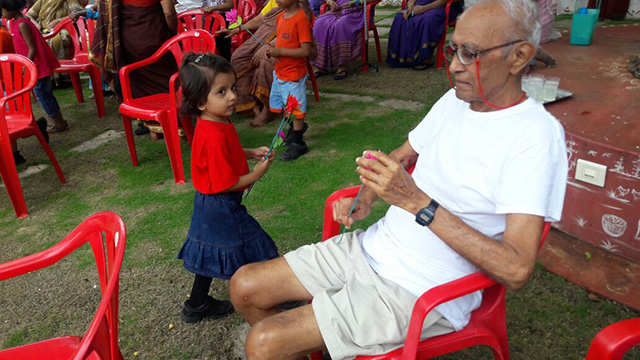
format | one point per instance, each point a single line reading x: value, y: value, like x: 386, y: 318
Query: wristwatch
x: 425, y: 216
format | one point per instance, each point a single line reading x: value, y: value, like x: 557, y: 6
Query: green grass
x: 549, y: 317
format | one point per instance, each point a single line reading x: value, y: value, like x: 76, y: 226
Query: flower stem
x: 344, y: 228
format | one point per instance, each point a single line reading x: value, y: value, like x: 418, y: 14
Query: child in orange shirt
x: 293, y: 47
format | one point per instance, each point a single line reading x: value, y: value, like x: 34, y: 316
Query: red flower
x: 292, y: 104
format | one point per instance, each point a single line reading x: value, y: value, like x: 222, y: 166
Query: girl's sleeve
x: 222, y: 174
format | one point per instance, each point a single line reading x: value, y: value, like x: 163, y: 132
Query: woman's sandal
x: 421, y: 67
x: 341, y: 75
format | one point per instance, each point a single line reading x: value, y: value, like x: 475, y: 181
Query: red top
x: 44, y: 59
x: 290, y: 34
x: 217, y: 157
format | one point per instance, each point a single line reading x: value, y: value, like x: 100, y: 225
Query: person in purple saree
x: 415, y: 33
x: 338, y: 37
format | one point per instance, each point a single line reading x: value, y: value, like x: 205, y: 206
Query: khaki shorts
x: 358, y: 312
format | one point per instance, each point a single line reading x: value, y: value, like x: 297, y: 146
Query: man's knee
x: 248, y: 284
x: 261, y: 342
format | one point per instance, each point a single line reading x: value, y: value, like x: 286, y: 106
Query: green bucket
x: 582, y: 26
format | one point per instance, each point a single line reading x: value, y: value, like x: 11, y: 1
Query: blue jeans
x: 44, y: 94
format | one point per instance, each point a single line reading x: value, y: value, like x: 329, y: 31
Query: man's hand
x: 342, y: 207
x: 387, y: 178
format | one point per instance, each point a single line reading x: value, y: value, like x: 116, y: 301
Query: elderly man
x: 490, y: 167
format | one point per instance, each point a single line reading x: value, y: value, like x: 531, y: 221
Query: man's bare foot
x: 262, y: 118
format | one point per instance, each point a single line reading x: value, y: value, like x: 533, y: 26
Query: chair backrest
x: 105, y: 232
x: 196, y: 19
x: 612, y: 342
x: 81, y: 33
x: 18, y: 76
x: 198, y: 41
x: 247, y: 9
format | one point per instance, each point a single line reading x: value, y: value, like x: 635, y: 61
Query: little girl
x: 29, y: 42
x: 222, y: 236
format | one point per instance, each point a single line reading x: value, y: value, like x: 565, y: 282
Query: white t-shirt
x: 480, y: 166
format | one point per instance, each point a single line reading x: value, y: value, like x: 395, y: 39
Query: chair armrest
x: 126, y: 70
x: 56, y: 30
x: 615, y: 340
x: 331, y: 228
x: 436, y: 296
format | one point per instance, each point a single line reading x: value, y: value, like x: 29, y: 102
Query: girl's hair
x: 197, y: 73
x: 12, y: 5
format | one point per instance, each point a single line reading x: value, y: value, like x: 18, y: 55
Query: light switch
x: 591, y: 172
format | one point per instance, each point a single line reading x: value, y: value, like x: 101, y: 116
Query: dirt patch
x: 98, y: 141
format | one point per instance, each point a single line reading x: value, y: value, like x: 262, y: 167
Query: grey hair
x: 524, y: 16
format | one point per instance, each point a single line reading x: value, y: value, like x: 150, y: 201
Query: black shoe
x: 141, y: 130
x: 289, y: 136
x: 294, y: 151
x: 212, y: 308
x: 42, y: 125
x: 18, y: 158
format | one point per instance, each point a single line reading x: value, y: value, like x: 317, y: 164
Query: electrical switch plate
x: 591, y: 172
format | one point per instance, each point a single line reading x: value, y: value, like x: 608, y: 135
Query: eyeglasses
x: 467, y: 56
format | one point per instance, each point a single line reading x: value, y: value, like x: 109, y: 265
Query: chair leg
x: 52, y: 157
x: 128, y: 132
x: 365, y: 50
x: 314, y: 84
x: 171, y: 138
x: 96, y: 80
x: 377, y: 38
x: 9, y: 175
x: 187, y: 125
x: 77, y: 86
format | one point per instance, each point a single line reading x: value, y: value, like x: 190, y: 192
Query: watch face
x: 424, y: 216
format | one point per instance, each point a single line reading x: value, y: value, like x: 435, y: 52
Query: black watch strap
x: 425, y: 216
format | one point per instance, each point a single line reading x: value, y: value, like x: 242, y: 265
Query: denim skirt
x: 223, y: 237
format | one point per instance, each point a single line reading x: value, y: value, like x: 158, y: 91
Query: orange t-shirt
x: 290, y: 34
x: 6, y: 42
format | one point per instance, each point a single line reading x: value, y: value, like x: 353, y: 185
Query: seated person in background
x: 46, y: 14
x: 416, y: 31
x: 338, y: 37
x: 490, y: 168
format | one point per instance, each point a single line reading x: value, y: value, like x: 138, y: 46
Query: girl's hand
x: 264, y: 165
x: 208, y: 9
x: 53, y: 24
x: 261, y: 152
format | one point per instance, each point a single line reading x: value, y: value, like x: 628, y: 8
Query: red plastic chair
x: 158, y: 107
x: 81, y: 33
x: 487, y: 325
x: 18, y: 76
x: 448, y: 23
x: 371, y: 14
x: 101, y: 340
x: 197, y: 19
x: 612, y: 342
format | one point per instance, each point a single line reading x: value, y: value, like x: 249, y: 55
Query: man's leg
x: 291, y: 334
x: 257, y: 289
